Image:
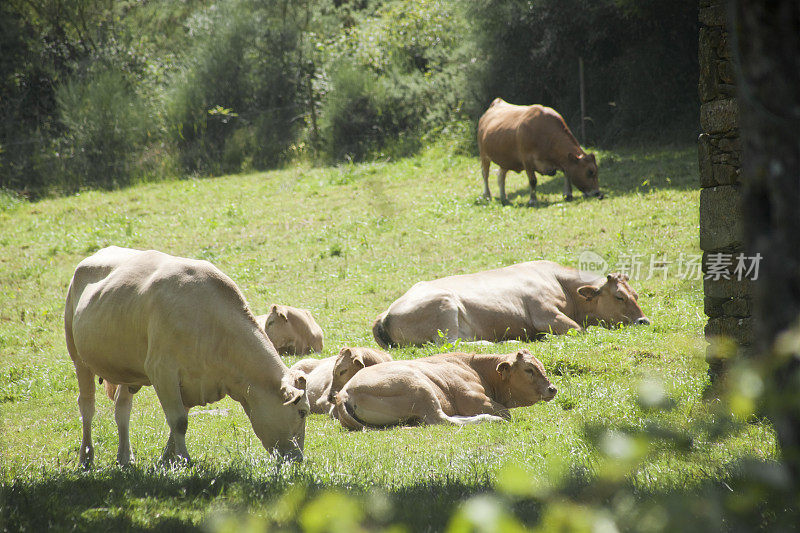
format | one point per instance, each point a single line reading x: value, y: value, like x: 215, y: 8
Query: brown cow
x: 451, y: 388
x: 533, y: 138
x: 293, y: 331
x: 519, y: 301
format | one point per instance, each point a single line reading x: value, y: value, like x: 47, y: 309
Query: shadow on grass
x: 157, y: 499
x: 622, y: 172
x: 755, y: 495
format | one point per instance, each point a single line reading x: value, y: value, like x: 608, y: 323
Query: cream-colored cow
x: 519, y: 301
x: 137, y: 318
x: 325, y: 377
x: 293, y: 331
x: 452, y: 388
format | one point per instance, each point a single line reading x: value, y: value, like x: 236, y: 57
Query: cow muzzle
x: 292, y: 453
x: 594, y: 194
x: 551, y: 393
x: 644, y: 321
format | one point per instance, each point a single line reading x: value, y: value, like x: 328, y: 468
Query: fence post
x: 583, y: 101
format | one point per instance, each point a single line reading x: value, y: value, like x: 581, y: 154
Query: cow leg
x: 485, y: 164
x: 501, y: 184
x: 435, y: 414
x: 123, y: 402
x: 567, y: 189
x: 532, y: 180
x: 86, y: 392
x: 167, y: 386
x: 448, y: 323
x: 561, y: 324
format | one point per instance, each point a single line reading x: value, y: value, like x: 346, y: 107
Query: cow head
x: 581, y: 170
x: 524, y: 379
x: 279, y: 415
x: 279, y: 329
x: 611, y: 301
x: 348, y: 362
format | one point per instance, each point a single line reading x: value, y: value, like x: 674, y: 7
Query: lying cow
x: 349, y: 362
x: 292, y: 331
x: 325, y: 377
x: 520, y: 301
x: 137, y: 318
x: 533, y: 138
x: 452, y: 388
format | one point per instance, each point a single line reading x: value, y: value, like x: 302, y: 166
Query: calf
x: 325, y: 377
x: 293, y: 331
x: 452, y: 388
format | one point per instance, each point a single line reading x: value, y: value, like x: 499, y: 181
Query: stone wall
x: 727, y: 302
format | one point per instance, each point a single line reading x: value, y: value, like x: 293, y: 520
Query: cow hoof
x: 568, y: 198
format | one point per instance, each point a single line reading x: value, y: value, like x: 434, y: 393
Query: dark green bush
x: 237, y: 100
x: 365, y: 114
x: 106, y: 126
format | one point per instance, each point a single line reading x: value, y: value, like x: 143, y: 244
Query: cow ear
x: 358, y: 360
x: 292, y: 395
x: 521, y: 354
x: 273, y: 308
x: 283, y: 315
x: 504, y: 369
x: 588, y: 292
x: 300, y: 381
x: 591, y: 157
x: 345, y: 351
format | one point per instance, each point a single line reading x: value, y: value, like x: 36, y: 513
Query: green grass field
x: 344, y: 242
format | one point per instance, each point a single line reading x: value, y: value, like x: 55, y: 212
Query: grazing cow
x: 323, y: 374
x: 292, y: 331
x: 535, y: 139
x: 452, y: 388
x: 520, y: 301
x: 137, y: 318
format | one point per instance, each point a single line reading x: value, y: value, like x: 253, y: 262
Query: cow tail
x: 379, y: 332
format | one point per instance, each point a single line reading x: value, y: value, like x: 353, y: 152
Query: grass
x: 344, y: 242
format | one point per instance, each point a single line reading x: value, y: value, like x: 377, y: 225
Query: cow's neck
x: 256, y: 363
x: 578, y: 308
x: 486, y: 367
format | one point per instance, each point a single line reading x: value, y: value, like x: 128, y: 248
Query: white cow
x: 138, y: 318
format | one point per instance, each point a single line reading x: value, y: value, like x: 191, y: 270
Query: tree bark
x: 767, y: 44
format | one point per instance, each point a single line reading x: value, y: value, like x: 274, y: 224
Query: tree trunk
x: 767, y: 35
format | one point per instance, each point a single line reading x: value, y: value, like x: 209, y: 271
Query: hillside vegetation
x: 629, y: 421
x: 105, y: 94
